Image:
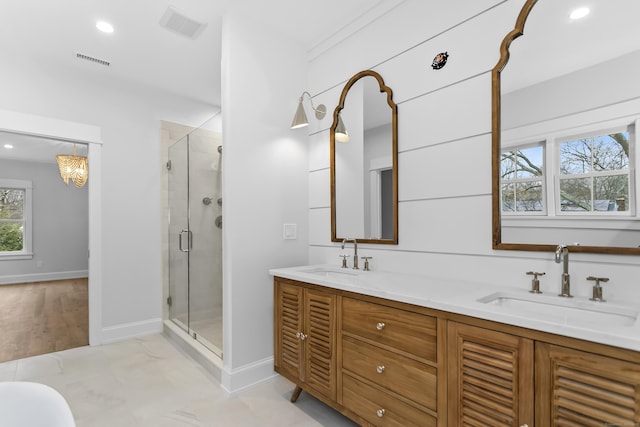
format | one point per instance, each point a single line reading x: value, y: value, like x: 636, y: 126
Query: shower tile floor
x: 207, y: 325
x: 149, y: 382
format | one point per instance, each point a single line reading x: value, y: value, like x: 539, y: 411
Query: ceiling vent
x: 174, y: 21
x: 92, y: 59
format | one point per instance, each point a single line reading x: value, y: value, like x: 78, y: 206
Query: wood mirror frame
x: 496, y: 157
x: 394, y: 150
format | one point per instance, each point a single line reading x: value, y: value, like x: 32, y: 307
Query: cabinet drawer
x: 403, y: 330
x: 407, y: 377
x: 380, y: 408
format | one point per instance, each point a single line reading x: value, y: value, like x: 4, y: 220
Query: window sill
x: 574, y: 222
x: 6, y: 256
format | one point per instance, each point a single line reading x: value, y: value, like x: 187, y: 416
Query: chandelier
x: 73, y: 167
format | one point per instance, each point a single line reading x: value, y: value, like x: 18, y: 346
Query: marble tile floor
x: 148, y: 381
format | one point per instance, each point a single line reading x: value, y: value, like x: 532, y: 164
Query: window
x: 588, y: 174
x: 594, y: 173
x: 522, y: 180
x: 15, y: 219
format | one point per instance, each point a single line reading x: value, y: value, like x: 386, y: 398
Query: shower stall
x: 195, y: 236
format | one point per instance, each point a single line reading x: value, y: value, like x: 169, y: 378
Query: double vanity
x: 390, y: 349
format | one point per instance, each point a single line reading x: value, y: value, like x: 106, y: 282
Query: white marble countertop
x: 614, y: 323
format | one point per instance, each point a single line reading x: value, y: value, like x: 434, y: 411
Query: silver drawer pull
x: 380, y: 413
x: 301, y: 336
x: 380, y: 369
x: 380, y: 326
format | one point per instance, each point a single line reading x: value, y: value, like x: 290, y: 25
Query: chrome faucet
x: 355, y: 251
x: 562, y: 254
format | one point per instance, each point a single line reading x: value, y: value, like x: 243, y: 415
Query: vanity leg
x: 296, y: 394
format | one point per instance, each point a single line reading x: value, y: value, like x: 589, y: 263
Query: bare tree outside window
x: 521, y: 173
x: 594, y: 174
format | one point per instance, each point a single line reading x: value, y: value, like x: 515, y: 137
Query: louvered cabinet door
x: 320, y: 342
x: 577, y: 388
x: 490, y: 378
x: 288, y: 305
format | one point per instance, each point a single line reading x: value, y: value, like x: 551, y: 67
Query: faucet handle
x: 597, y: 289
x: 535, y: 283
x: 344, y: 260
x: 366, y: 262
x: 535, y: 274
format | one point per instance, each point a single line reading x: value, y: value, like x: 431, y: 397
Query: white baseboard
x: 43, y: 277
x: 236, y: 380
x: 130, y: 330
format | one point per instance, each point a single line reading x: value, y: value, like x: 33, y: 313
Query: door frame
x: 29, y: 124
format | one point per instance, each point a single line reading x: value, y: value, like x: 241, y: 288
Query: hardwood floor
x: 43, y: 317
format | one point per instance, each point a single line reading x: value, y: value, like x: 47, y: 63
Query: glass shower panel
x: 205, y: 207
x: 178, y: 171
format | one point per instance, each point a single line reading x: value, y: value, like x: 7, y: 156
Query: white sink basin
x: 337, y: 275
x: 578, y: 312
x: 333, y: 273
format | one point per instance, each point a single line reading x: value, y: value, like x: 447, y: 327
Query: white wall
x: 264, y: 187
x: 60, y: 226
x: 444, y: 135
x: 129, y: 117
x: 607, y: 84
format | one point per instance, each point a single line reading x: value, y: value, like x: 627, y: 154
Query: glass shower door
x: 179, y: 239
x: 205, y: 223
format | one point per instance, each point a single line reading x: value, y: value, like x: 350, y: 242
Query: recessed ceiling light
x: 104, y: 26
x: 579, y: 13
x: 8, y: 146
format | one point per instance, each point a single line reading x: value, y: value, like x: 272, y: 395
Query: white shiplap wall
x: 444, y: 133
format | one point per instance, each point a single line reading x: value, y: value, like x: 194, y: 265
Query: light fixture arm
x: 300, y: 118
x: 320, y: 111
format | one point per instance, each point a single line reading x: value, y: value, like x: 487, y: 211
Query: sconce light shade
x: 300, y: 119
x: 341, y: 131
x: 73, y: 167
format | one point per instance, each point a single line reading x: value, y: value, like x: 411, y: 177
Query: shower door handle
x: 189, y: 240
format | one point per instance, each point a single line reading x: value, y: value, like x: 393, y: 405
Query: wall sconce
x: 300, y: 119
x: 74, y: 167
x: 341, y: 131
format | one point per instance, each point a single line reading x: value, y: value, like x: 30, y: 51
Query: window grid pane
x: 522, y: 173
x: 575, y: 194
x: 11, y: 220
x: 594, y: 174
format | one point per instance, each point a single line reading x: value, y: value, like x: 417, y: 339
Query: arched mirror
x: 566, y: 112
x: 364, y: 162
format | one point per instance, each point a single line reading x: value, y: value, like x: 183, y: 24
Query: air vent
x: 174, y: 21
x: 92, y: 59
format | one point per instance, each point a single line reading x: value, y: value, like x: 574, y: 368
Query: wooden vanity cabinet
x: 305, y: 337
x: 374, y: 360
x: 389, y: 370
x: 490, y: 377
x: 391, y: 364
x: 511, y: 376
x: 584, y: 388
